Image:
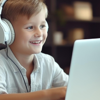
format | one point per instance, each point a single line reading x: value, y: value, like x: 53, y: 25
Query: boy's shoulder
x: 2, y: 54
x: 3, y: 58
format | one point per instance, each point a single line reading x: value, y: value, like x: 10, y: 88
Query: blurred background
x: 68, y: 21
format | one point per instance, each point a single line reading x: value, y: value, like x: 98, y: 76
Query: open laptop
x: 84, y: 76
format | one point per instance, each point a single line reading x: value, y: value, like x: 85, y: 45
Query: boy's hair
x: 13, y: 8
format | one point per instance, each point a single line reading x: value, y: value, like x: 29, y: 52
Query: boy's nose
x: 38, y: 33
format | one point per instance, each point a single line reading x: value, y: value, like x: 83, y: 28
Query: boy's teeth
x: 36, y: 42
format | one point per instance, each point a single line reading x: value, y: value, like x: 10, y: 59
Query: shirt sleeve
x: 60, y: 78
x: 2, y: 81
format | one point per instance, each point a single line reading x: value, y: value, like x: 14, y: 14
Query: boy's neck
x: 24, y: 60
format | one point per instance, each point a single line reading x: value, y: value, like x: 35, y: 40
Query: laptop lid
x: 84, y: 75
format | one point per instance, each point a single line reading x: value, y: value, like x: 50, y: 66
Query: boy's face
x: 30, y: 34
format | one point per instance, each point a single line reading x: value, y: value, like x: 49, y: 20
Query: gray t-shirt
x: 46, y: 73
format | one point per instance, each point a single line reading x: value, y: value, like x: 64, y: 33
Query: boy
x: 25, y: 72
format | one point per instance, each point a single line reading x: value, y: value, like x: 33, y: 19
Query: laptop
x: 84, y: 75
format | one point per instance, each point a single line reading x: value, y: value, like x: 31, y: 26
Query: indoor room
x: 70, y: 20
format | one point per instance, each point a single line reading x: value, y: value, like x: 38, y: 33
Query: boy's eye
x: 30, y: 27
x: 42, y: 26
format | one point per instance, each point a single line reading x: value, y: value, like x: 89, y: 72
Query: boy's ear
x: 47, y: 26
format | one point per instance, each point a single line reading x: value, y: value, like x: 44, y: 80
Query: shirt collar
x: 36, y: 63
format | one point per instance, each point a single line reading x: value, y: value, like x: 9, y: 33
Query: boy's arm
x: 50, y: 94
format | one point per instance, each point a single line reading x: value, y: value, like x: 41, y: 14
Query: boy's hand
x: 57, y: 93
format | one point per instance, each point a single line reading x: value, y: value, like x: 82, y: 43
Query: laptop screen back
x: 84, y: 76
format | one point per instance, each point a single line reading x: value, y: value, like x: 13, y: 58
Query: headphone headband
x: 2, y: 2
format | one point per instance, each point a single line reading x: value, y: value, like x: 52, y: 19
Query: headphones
x: 7, y: 33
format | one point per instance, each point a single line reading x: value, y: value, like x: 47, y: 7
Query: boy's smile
x: 37, y: 42
x: 30, y: 34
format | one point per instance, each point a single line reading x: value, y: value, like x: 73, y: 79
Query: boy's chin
x: 36, y: 50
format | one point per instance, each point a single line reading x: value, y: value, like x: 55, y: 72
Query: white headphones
x: 7, y: 33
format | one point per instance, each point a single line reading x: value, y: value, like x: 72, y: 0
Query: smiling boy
x: 25, y: 72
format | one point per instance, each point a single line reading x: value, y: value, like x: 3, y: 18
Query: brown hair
x: 13, y: 8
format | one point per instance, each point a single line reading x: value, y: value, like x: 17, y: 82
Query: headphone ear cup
x: 11, y: 33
